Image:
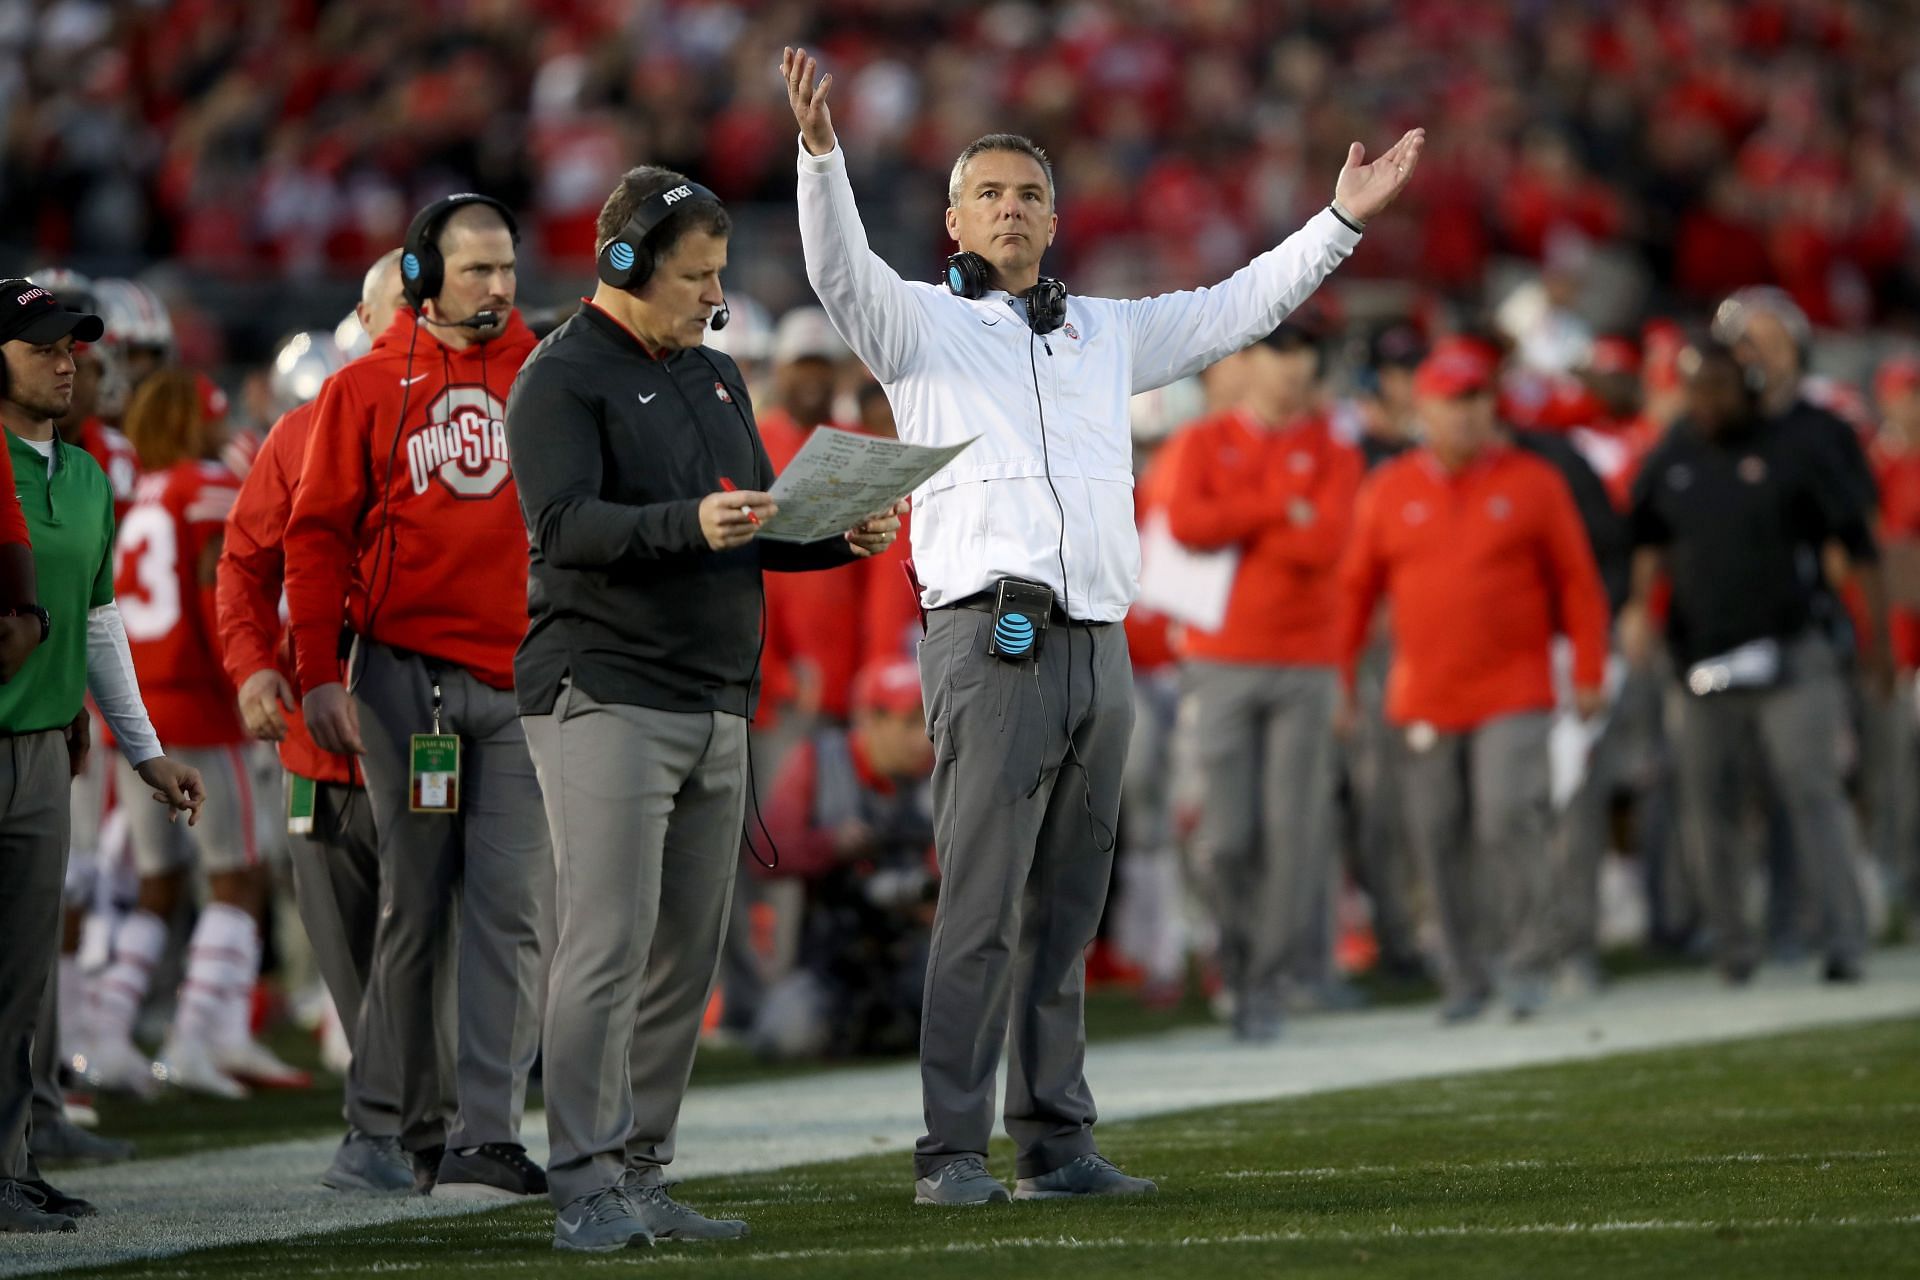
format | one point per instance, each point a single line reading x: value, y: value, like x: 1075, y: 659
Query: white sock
x: 115, y: 996
x: 70, y: 997
x: 218, y: 957
x: 237, y: 1017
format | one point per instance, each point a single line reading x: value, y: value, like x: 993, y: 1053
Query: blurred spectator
x: 1719, y: 144
x: 853, y: 819
x: 1479, y: 550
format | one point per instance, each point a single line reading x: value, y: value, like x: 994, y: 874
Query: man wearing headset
x: 404, y: 549
x: 643, y: 481
x: 1030, y: 531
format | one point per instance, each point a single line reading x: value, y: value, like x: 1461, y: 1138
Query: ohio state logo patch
x: 463, y: 445
x: 720, y: 391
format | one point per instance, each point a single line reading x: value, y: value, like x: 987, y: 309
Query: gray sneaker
x: 603, y: 1221
x: 964, y: 1181
x: 369, y: 1163
x: 21, y: 1212
x: 1090, y: 1175
x: 668, y: 1219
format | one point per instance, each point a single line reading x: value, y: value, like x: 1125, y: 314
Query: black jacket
x: 1742, y: 519
x: 613, y: 449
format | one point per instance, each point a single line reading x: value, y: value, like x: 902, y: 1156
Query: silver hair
x: 1731, y: 319
x: 999, y: 142
x: 370, y: 285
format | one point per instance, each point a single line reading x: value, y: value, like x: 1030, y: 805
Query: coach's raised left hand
x: 1363, y: 189
x: 874, y: 535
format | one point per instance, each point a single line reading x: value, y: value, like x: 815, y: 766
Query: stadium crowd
x: 1492, y: 615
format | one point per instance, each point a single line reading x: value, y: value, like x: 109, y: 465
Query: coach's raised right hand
x: 731, y: 519
x: 808, y: 99
x: 333, y: 720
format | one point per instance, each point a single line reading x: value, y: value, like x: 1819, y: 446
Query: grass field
x: 1793, y: 1155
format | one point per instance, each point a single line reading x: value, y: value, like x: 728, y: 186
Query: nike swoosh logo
x: 407, y: 382
x: 648, y: 399
x: 992, y: 322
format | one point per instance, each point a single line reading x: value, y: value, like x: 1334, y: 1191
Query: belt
x: 986, y: 602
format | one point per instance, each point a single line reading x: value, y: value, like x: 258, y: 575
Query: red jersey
x: 13, y: 520
x: 1285, y: 499
x: 814, y: 618
x: 253, y: 635
x: 409, y: 531
x: 1151, y: 634
x: 1482, y: 567
x: 177, y: 518
x: 116, y: 456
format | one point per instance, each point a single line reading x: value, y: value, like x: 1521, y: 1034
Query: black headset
x: 422, y: 268
x: 627, y: 261
x: 968, y: 275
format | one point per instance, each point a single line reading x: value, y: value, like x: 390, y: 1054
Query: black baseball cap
x: 29, y: 313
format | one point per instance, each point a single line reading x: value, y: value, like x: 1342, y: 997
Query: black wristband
x: 1345, y: 221
x: 34, y: 611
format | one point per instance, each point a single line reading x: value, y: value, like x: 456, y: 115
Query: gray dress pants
x: 646, y: 808
x: 336, y: 887
x: 1478, y: 815
x: 33, y: 868
x: 1797, y: 725
x: 493, y: 861
x: 1266, y: 833
x: 1024, y: 831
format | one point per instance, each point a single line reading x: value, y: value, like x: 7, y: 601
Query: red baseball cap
x: 213, y: 401
x: 1898, y: 375
x: 1456, y: 367
x: 891, y: 684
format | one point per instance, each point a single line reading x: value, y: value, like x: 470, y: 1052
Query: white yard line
x: 157, y: 1208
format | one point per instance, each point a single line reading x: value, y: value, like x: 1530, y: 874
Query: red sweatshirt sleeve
x: 251, y: 562
x: 323, y: 532
x: 13, y: 521
x: 806, y: 851
x: 1209, y: 511
x: 1321, y: 541
x: 1580, y: 598
x: 1362, y: 577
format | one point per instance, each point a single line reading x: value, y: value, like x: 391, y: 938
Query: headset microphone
x: 480, y: 320
x: 718, y: 320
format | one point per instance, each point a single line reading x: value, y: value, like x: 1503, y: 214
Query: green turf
x: 1788, y: 1156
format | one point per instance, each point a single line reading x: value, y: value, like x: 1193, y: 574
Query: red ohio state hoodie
x: 415, y: 542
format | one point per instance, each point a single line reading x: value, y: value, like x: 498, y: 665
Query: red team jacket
x: 176, y: 516
x: 427, y: 554
x: 1482, y: 568
x: 1285, y: 498
x: 252, y: 574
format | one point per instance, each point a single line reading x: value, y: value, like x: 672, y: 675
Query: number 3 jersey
x: 163, y: 580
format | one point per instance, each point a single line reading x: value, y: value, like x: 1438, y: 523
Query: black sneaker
x: 426, y: 1168
x: 1843, y: 971
x: 21, y: 1211
x: 490, y: 1171
x: 52, y: 1200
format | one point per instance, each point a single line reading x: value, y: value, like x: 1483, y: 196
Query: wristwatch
x: 31, y: 611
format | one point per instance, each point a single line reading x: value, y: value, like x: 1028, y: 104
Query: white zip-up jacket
x: 1050, y: 413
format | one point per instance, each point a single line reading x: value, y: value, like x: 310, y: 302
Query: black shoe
x: 426, y: 1168
x: 1843, y: 971
x: 1737, y: 974
x: 490, y: 1171
x: 52, y: 1200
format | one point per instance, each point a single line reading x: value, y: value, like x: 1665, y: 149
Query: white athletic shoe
x: 336, y: 1055
x: 190, y: 1065
x: 117, y: 1066
x: 253, y: 1062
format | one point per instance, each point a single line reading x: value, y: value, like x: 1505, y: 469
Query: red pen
x: 730, y: 487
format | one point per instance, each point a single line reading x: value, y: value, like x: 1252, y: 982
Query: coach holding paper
x: 1028, y: 754
x: 642, y: 479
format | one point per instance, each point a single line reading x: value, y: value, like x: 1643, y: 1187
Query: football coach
x: 1027, y: 556
x: 643, y: 482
